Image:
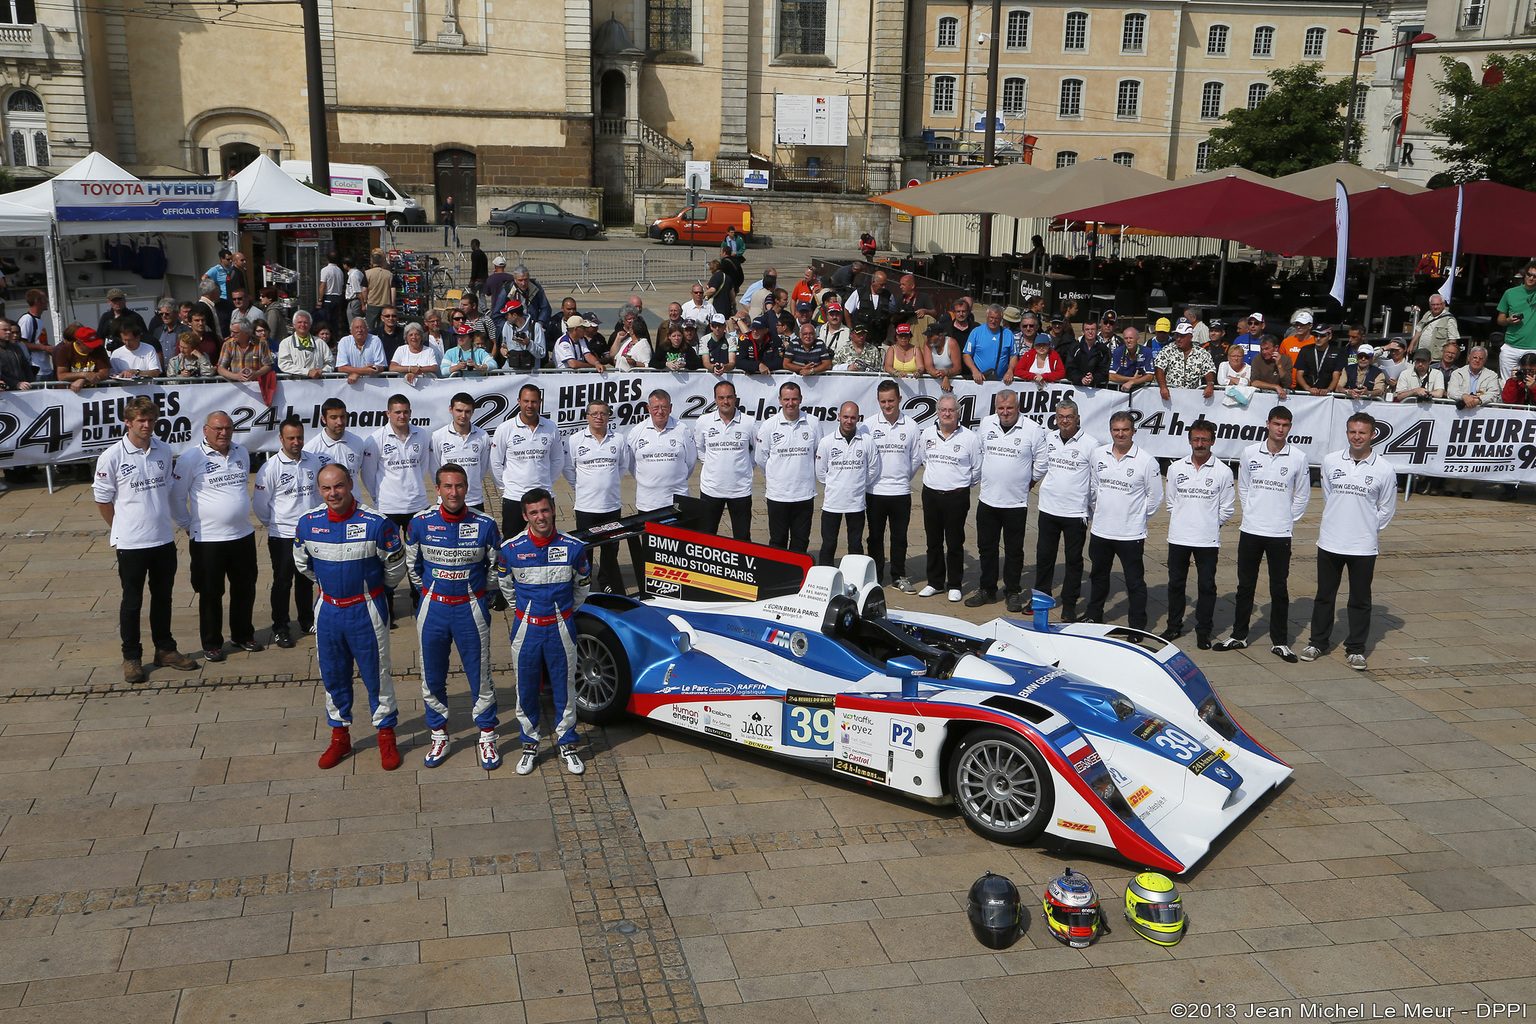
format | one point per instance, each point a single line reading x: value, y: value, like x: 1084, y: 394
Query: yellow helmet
x: 1153, y: 908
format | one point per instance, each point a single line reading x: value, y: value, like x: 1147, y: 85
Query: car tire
x: 669, y: 237
x: 1001, y: 785
x: 601, y: 683
x: 579, y: 232
x: 509, y: 229
x: 393, y: 221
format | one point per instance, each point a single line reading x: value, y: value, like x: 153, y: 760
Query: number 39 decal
x: 808, y: 727
x: 1178, y: 744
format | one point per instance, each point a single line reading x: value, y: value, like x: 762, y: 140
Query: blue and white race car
x: 1098, y: 734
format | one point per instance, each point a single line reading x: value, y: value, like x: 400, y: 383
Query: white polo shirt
x: 1125, y: 492
x: 1359, y: 500
x: 786, y: 453
x: 1274, y: 489
x: 208, y: 494
x: 1069, y: 468
x: 725, y: 453
x: 953, y: 462
x: 900, y: 445
x: 347, y: 452
x: 394, y: 470
x: 524, y: 457
x: 847, y: 470
x: 1011, y: 461
x: 285, y: 490
x: 137, y: 484
x: 595, y: 468
x: 1200, y: 501
x: 145, y: 357
x: 661, y: 461
x: 473, y: 452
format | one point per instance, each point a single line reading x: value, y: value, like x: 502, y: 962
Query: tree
x: 1487, y: 122
x: 1298, y: 126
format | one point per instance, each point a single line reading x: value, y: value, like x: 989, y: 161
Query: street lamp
x: 1354, y: 75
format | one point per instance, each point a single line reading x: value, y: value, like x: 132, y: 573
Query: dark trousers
x: 512, y: 519
x: 741, y: 515
x: 789, y: 525
x: 896, y: 510
x: 830, y: 523
x: 214, y: 562
x: 610, y: 577
x: 1050, y: 531
x: 1251, y: 550
x: 333, y: 311
x: 1205, y: 586
x: 944, y: 515
x: 134, y: 566
x: 1330, y: 569
x: 1101, y: 558
x: 402, y: 520
x: 288, y: 580
x: 1010, y: 523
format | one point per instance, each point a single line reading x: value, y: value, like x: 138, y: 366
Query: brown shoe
x: 175, y: 659
x: 133, y: 671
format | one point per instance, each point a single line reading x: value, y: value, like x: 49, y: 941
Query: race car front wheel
x: 602, y: 673
x: 1002, y: 786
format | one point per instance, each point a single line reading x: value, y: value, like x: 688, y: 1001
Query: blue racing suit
x: 450, y: 558
x: 356, y: 559
x: 544, y: 582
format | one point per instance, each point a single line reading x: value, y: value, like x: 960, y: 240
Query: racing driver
x: 544, y: 575
x: 450, y: 552
x: 356, y: 557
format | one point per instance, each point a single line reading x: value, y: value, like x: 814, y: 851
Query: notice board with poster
x: 810, y: 120
x: 702, y: 567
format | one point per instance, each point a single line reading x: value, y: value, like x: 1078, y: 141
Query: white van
x: 364, y: 183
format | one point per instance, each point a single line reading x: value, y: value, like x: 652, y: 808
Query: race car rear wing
x: 671, y: 560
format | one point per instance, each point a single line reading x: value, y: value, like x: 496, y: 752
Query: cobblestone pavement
x: 170, y: 853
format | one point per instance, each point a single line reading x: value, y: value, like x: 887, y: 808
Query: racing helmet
x: 1071, y: 910
x: 996, y: 911
x: 1153, y: 908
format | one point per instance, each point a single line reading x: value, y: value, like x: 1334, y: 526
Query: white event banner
x: 56, y: 425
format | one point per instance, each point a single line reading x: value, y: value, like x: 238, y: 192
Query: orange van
x: 705, y: 223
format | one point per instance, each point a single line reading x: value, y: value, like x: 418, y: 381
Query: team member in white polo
x: 786, y: 453
x: 286, y: 488
x: 1201, y: 499
x: 596, y: 460
x: 463, y: 444
x: 1062, y: 517
x: 847, y: 465
x: 1359, y: 500
x: 1125, y: 490
x: 951, y: 458
x: 661, y: 456
x: 335, y: 443
x: 1274, y: 484
x: 133, y: 494
x: 395, y: 471
x: 209, y: 500
x: 726, y: 442
x: 526, y: 452
x: 1014, y: 455
x: 889, y: 501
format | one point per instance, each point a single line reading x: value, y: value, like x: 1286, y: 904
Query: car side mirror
x: 908, y: 669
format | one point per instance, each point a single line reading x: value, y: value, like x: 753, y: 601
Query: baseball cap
x: 1162, y: 324
x: 1107, y: 317
x: 1422, y: 353
x: 1365, y: 350
x: 499, y: 261
x: 903, y: 328
x: 87, y: 338
x: 862, y: 329
x: 804, y: 307
x: 1012, y: 315
x: 588, y: 320
x: 1394, y: 342
x: 464, y: 328
x: 573, y: 321
x: 717, y: 318
x: 766, y: 322
x: 1216, y: 325
x: 1042, y: 339
x: 933, y: 329
x: 1185, y: 327
x: 1304, y: 317
x: 512, y: 305
x: 1057, y: 318
x: 1256, y: 317
x: 1322, y: 329
x: 116, y: 293
x: 833, y: 307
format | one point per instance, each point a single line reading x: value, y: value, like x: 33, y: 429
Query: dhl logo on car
x: 1076, y: 826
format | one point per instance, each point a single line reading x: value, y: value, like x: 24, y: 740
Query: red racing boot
x: 341, y: 746
x: 389, y: 754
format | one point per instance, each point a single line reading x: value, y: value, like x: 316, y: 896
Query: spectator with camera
x: 1435, y: 327
x: 1414, y: 381
x: 1362, y: 378
x: 1520, y: 389
x: 1514, y: 316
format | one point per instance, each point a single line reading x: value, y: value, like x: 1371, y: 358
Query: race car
x: 1098, y: 734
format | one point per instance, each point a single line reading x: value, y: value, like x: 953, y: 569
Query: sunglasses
x: 458, y: 317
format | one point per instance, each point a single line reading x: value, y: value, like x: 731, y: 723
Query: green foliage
x: 1298, y: 126
x: 1489, y: 129
x: 7, y: 180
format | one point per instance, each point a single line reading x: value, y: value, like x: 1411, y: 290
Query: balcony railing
x: 16, y: 35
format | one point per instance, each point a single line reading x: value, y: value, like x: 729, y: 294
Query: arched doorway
x: 455, y: 176
x: 236, y: 157
x: 611, y: 99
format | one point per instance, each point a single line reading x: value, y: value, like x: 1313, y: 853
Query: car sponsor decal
x: 808, y: 720
x: 759, y: 746
x: 793, y: 641
x: 357, y: 531
x: 469, y: 531
x: 679, y: 577
x: 757, y: 730
x: 860, y: 770
x: 903, y: 735
x: 1137, y: 797
x: 1149, y: 728
x: 1076, y: 826
x: 1083, y: 764
x: 1203, y: 762
x: 810, y: 700
x: 685, y: 715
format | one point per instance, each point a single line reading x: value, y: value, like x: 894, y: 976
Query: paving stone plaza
x: 171, y: 853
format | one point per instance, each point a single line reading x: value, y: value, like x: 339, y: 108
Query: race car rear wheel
x: 1001, y: 785
x: 602, y: 682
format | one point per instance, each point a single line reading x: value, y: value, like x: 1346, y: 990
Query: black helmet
x: 996, y: 911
